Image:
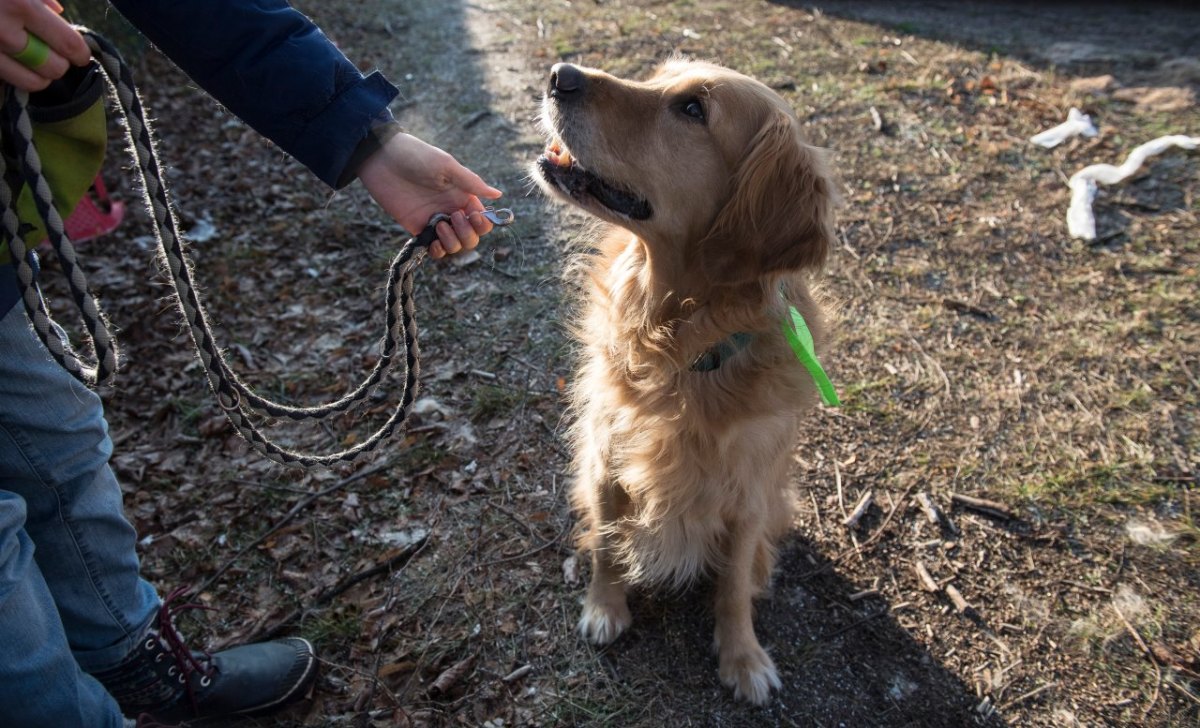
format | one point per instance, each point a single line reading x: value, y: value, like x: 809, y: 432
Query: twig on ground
x: 386, y: 566
x: 1149, y: 655
x: 895, y: 506
x: 523, y: 554
x: 864, y: 503
x: 1191, y: 377
x: 859, y: 547
x: 1087, y: 587
x: 1026, y: 696
x: 295, y: 510
x: 517, y: 520
x: 962, y: 307
x: 927, y: 580
x: 982, y: 505
x: 374, y: 683
x: 1184, y: 691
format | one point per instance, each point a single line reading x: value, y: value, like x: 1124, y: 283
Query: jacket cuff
x: 382, y: 129
x: 343, y: 126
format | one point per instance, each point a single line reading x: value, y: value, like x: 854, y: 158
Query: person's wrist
x: 380, y: 132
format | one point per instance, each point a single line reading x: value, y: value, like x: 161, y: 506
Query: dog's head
x: 705, y: 165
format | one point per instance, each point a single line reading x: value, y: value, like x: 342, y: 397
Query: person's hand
x: 412, y: 181
x: 21, y: 18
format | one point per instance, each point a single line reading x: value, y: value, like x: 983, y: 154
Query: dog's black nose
x: 565, y: 80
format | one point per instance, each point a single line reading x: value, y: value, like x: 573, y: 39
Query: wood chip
x: 989, y: 507
x: 927, y: 580
x: 863, y: 504
x: 517, y: 674
x: 959, y: 603
x: 926, y: 503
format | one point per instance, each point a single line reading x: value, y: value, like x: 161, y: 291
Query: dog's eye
x: 693, y: 109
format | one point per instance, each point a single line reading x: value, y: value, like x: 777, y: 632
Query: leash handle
x: 429, y: 234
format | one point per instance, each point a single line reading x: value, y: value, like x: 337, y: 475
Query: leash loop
x: 240, y: 404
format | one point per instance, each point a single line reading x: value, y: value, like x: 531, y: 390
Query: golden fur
x: 715, y: 207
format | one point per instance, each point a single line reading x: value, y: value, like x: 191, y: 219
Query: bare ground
x: 980, y: 352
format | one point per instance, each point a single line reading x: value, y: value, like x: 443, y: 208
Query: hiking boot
x: 162, y: 679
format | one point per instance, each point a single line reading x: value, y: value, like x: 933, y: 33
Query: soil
x: 980, y: 352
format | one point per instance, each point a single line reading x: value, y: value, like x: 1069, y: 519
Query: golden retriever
x: 688, y: 400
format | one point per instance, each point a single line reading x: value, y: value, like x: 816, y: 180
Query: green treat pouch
x: 795, y: 329
x: 70, y: 133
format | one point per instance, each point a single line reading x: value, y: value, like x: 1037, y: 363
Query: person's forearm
x: 270, y: 66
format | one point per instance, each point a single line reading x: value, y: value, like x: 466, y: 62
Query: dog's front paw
x: 751, y: 673
x: 604, y: 621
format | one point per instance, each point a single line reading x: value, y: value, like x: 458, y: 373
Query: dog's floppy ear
x: 780, y: 213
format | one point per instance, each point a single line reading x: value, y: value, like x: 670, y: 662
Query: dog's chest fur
x: 689, y: 451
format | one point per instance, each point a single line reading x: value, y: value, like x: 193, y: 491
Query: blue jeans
x: 71, y: 599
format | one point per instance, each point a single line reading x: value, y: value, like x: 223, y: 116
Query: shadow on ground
x: 843, y: 661
x: 1084, y: 38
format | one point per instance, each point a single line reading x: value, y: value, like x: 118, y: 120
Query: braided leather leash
x: 235, y: 398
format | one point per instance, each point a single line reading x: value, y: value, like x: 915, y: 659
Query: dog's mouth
x: 559, y: 167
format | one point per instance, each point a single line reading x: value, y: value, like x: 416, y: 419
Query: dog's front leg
x: 605, y: 610
x: 744, y: 665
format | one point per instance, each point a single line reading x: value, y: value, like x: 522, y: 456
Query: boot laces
x: 185, y: 659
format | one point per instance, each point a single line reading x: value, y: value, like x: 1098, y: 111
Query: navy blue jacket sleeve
x: 273, y: 68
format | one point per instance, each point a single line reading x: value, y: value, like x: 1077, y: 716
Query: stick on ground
x: 927, y: 580
x: 863, y: 504
x: 992, y: 508
x: 959, y: 603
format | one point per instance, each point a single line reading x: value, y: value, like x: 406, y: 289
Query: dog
x: 687, y: 400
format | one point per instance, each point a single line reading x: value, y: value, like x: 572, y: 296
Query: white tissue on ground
x: 1080, y: 221
x: 1077, y: 123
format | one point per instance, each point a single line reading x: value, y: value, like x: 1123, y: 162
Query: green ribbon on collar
x: 795, y: 329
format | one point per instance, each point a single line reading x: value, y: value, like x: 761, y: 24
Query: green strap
x: 801, y: 340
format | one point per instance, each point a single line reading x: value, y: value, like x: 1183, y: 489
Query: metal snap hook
x: 503, y: 216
